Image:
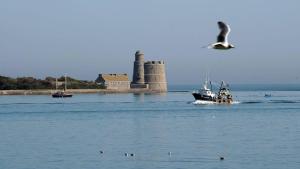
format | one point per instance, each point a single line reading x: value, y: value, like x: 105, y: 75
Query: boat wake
x: 204, y: 102
x: 252, y: 102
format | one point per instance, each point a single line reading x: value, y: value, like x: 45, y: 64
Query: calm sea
x: 161, y: 130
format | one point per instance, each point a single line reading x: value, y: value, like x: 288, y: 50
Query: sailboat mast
x: 56, y: 84
x: 65, y: 82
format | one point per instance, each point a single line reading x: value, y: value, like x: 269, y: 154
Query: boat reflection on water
x: 142, y: 97
x: 268, y: 95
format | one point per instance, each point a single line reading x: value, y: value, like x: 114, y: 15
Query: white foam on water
x: 204, y: 102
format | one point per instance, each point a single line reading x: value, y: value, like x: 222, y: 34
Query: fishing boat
x: 206, y: 93
x: 61, y: 94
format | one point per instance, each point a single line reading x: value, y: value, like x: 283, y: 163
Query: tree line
x: 31, y: 83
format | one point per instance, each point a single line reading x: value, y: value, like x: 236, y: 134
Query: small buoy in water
x: 170, y: 153
x: 126, y: 154
x: 221, y: 158
x: 131, y: 154
x: 101, y: 152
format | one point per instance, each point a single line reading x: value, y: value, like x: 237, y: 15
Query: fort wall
x: 155, y: 75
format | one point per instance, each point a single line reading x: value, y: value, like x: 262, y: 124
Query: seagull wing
x: 224, y: 31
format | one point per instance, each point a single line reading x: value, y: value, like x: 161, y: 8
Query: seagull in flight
x: 222, y: 41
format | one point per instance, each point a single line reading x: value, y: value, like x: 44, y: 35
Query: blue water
x: 40, y: 132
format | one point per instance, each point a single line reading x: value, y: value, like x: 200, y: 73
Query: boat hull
x: 59, y: 95
x: 198, y: 96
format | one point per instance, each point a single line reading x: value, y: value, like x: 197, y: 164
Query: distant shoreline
x: 73, y: 91
x: 172, y: 88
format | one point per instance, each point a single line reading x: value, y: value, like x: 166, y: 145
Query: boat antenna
x: 206, y: 76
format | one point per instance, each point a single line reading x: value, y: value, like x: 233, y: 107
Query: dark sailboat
x: 61, y: 94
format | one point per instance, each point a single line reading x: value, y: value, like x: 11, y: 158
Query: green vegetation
x: 30, y: 83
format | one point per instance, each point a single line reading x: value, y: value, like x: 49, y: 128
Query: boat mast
x: 65, y: 82
x: 56, y: 84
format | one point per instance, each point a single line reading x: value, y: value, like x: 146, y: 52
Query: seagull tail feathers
x: 210, y: 46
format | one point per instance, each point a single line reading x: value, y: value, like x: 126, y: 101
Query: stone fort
x: 148, y: 74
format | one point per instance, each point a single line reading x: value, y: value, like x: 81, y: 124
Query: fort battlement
x: 155, y: 62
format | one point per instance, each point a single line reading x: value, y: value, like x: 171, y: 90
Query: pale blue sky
x: 85, y: 37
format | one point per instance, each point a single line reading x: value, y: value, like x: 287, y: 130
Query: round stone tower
x: 155, y: 75
x: 138, y: 69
